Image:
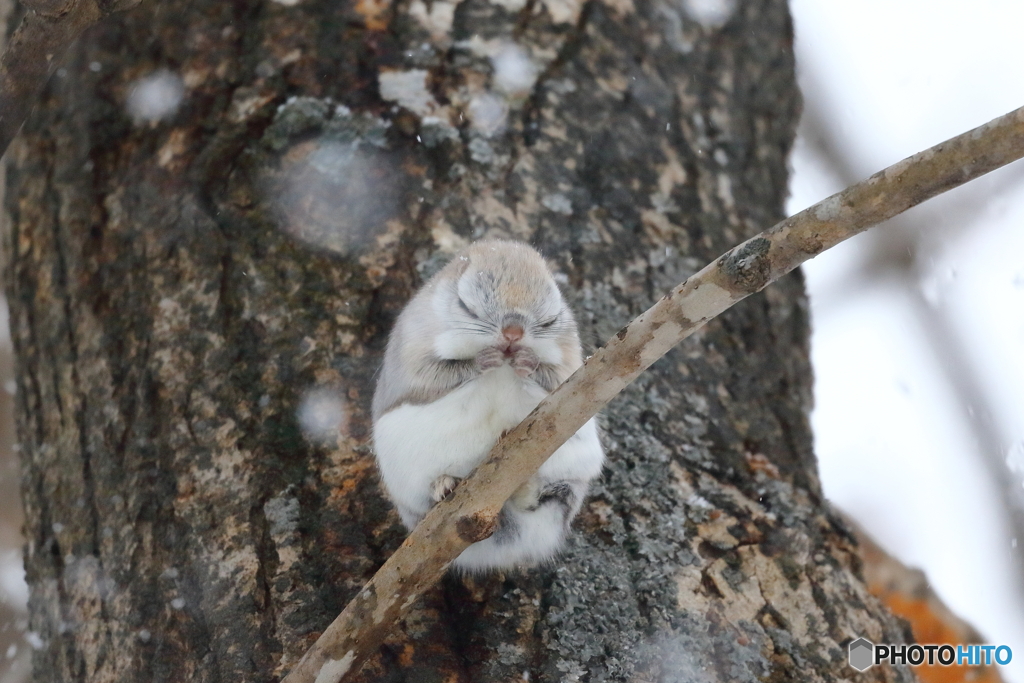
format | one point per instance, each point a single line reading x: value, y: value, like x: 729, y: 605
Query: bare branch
x: 37, y: 48
x: 470, y: 514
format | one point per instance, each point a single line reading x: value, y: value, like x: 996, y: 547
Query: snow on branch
x: 37, y: 48
x: 471, y: 513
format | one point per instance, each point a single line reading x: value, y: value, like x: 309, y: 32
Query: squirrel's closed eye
x: 465, y: 309
x: 548, y: 323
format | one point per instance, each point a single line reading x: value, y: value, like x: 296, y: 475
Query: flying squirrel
x: 472, y: 353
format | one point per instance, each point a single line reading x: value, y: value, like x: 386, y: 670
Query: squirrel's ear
x: 461, y: 262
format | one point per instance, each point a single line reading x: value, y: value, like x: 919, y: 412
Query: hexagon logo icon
x: 861, y: 654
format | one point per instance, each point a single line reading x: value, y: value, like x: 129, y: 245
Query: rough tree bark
x: 178, y: 288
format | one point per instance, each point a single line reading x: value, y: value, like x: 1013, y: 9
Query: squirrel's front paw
x: 525, y: 362
x: 442, y: 487
x: 491, y: 357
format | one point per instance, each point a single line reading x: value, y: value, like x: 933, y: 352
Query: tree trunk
x: 192, y: 298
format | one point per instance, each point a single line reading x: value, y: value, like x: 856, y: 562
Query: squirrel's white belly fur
x: 416, y: 444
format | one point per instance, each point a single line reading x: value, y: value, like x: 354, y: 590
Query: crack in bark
x: 572, y: 42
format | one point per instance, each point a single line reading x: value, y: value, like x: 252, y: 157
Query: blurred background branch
x: 918, y: 330
x: 894, y: 257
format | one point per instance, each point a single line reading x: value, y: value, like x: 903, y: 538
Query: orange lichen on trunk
x: 905, y: 591
x: 375, y: 13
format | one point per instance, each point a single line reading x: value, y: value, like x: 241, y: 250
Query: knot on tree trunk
x: 476, y: 527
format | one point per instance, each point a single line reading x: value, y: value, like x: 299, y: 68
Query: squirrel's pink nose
x: 512, y: 333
